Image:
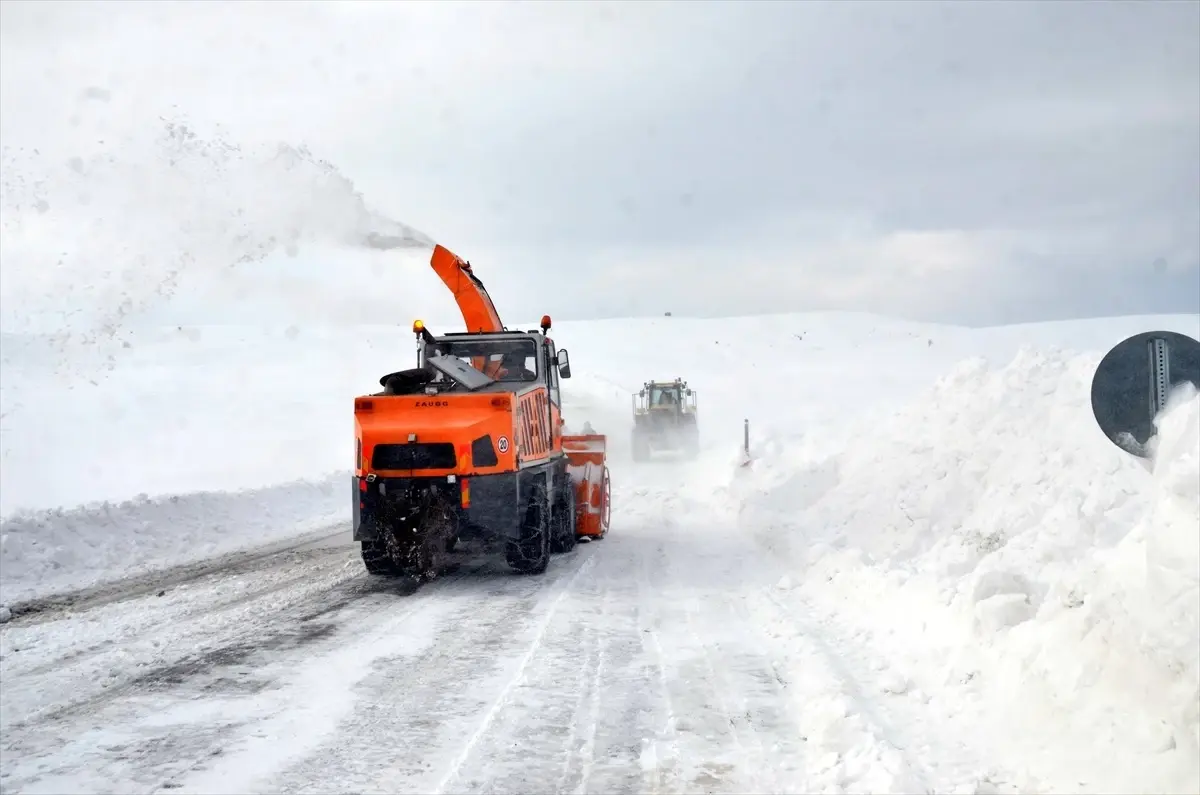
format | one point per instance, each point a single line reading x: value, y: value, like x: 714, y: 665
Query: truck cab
x: 467, y: 445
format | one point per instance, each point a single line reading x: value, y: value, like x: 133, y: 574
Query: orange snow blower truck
x: 468, y: 445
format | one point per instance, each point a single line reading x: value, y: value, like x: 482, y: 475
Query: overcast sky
x: 964, y: 162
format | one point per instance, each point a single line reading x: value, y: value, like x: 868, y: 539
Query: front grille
x: 438, y: 455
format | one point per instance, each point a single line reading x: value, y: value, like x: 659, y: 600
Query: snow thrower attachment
x: 1134, y: 382
x: 468, y: 445
x: 665, y: 418
x: 593, y: 489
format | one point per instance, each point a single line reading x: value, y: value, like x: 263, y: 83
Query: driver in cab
x: 512, y: 367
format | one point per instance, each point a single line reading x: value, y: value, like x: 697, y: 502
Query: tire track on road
x: 426, y: 714
x: 231, y: 685
x: 731, y: 732
x: 587, y: 753
x: 176, y: 638
x: 659, y: 777
x: 584, y: 684
x: 183, y: 603
x: 516, y: 677
x: 52, y: 606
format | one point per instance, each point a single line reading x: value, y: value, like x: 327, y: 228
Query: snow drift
x: 59, y: 551
x: 990, y: 540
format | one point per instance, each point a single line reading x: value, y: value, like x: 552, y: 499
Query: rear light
x: 363, y: 404
x: 500, y: 403
x: 466, y: 492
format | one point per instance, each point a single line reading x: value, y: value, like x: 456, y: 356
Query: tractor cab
x: 664, y: 418
x: 675, y: 397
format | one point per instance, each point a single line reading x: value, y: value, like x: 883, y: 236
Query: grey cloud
x: 959, y: 123
x: 735, y: 157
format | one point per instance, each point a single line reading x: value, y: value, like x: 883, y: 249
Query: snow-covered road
x: 907, y: 598
x: 650, y: 661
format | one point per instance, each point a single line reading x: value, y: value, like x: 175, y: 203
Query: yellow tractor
x: 664, y: 418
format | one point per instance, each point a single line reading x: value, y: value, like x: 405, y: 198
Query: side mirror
x: 563, y: 359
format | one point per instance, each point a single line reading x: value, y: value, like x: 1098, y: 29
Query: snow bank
x: 47, y: 552
x: 997, y: 547
x: 192, y: 409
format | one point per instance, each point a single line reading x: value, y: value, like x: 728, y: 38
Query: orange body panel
x: 517, y: 424
x: 534, y: 433
x: 453, y: 419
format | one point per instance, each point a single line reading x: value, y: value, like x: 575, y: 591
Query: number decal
x: 502, y: 444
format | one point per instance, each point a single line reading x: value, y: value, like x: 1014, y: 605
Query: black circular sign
x: 1134, y: 380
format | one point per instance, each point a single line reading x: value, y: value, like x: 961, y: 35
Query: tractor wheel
x: 531, y: 555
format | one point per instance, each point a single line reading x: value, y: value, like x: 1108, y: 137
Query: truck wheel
x: 531, y: 555
x: 564, y: 538
x: 377, y: 559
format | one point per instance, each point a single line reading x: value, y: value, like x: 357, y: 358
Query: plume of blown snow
x: 989, y: 535
x: 93, y: 239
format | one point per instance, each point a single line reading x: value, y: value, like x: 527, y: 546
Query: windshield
x: 664, y: 396
x: 501, y: 360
